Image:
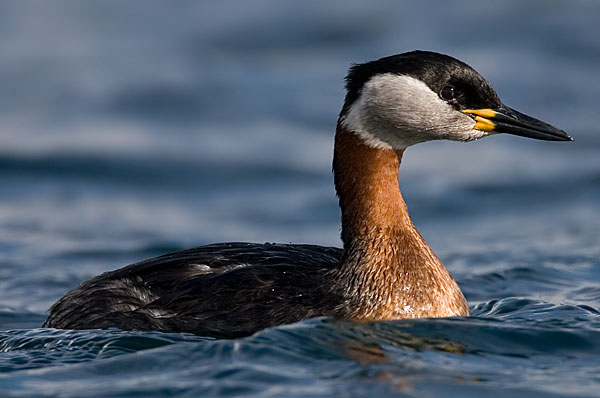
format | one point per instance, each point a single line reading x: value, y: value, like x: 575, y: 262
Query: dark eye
x: 448, y: 93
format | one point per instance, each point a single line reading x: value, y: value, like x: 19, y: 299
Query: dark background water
x: 131, y: 129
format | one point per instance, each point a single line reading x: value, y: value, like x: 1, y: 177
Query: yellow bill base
x: 481, y: 118
x: 485, y: 112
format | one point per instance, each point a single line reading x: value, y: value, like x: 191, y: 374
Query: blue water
x: 132, y: 129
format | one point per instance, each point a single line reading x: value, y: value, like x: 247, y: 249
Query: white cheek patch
x: 396, y: 111
x: 352, y: 121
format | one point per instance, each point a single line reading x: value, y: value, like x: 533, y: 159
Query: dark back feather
x: 220, y: 290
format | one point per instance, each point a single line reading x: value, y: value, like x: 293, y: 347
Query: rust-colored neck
x: 388, y: 270
x: 366, y: 181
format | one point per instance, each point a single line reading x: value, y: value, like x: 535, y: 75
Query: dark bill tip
x: 513, y: 122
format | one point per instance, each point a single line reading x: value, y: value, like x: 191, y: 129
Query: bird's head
x: 404, y: 99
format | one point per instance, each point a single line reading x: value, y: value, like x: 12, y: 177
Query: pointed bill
x: 510, y: 121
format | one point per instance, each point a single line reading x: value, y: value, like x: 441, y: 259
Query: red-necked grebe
x: 385, y: 270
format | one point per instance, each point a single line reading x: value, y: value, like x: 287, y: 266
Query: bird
x: 385, y: 269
